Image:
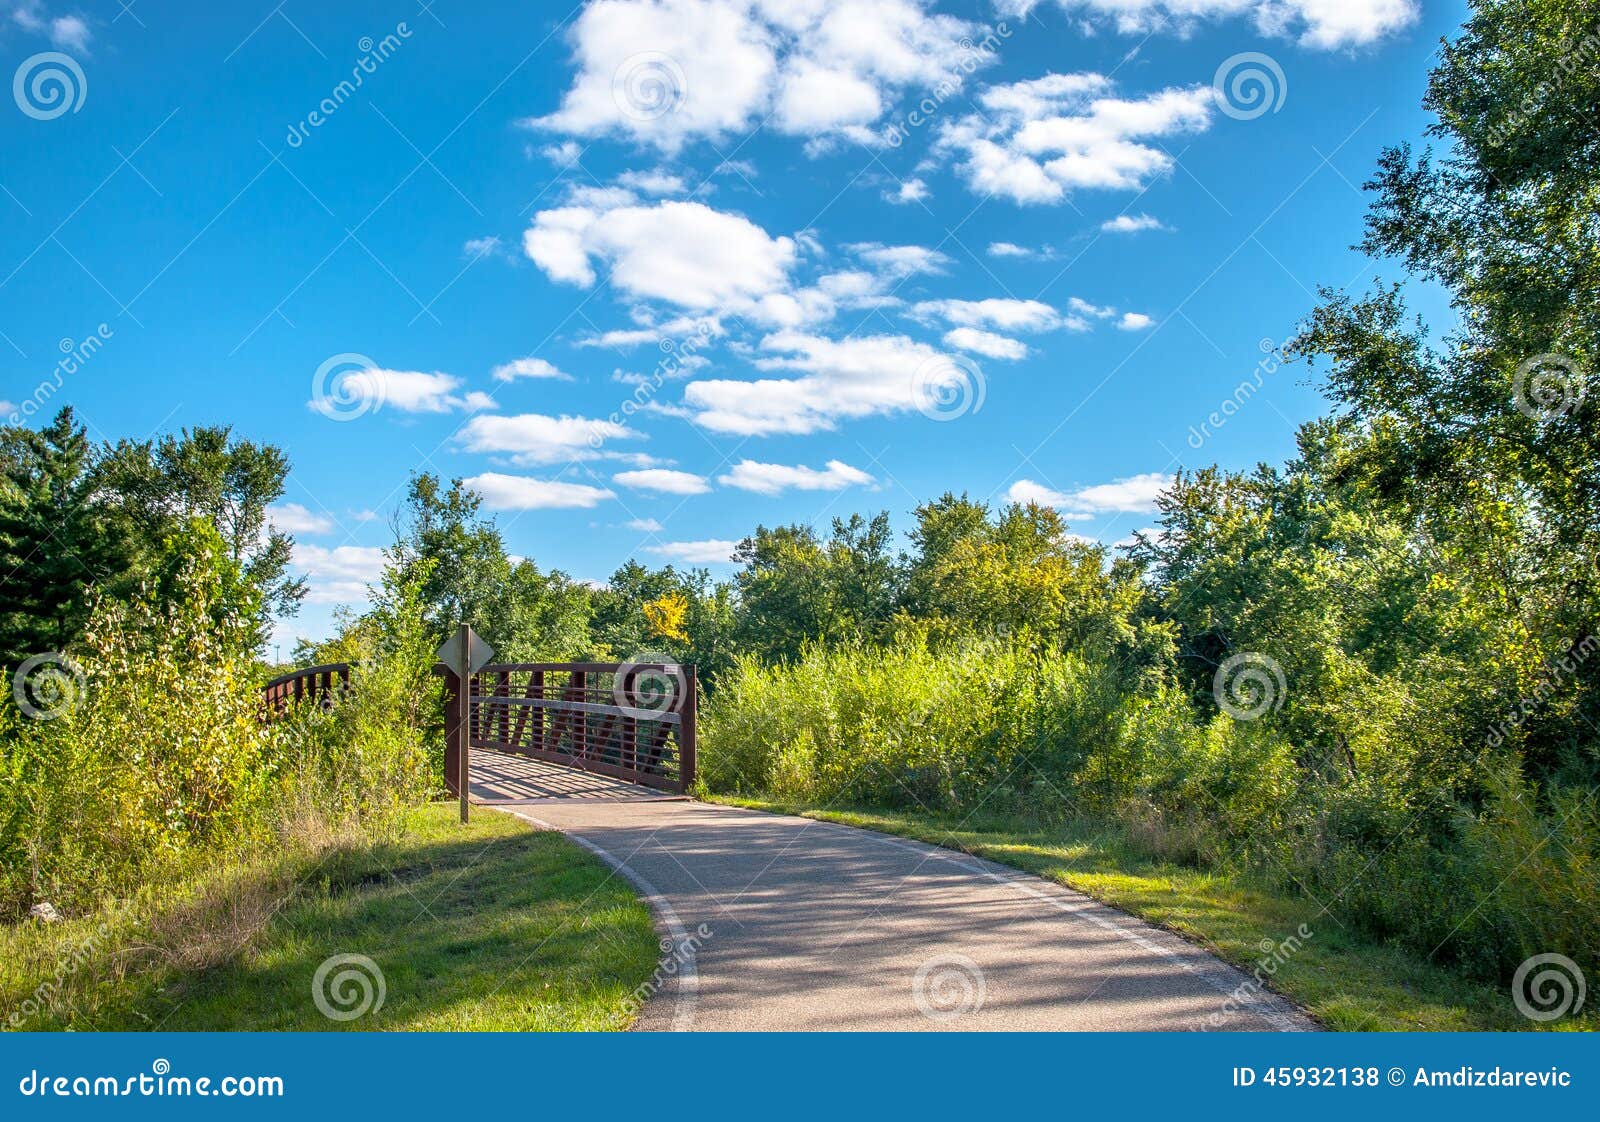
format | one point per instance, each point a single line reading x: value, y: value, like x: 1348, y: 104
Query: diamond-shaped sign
x: 466, y: 652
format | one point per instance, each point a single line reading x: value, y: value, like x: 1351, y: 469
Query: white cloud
x: 663, y: 481
x: 909, y: 191
x: 7, y: 407
x: 900, y: 260
x: 519, y: 492
x: 663, y: 72
x: 706, y: 552
x: 1040, y: 139
x: 488, y: 246
x: 293, y: 518
x: 1027, y: 491
x: 656, y: 182
x: 1010, y: 314
x: 846, y: 379
x: 69, y: 33
x: 529, y: 368
x: 410, y: 391
x: 1012, y: 249
x: 684, y: 253
x: 1131, y: 224
x: 1327, y: 24
x: 339, y: 575
x: 1134, y: 495
x: 644, y: 525
x: 533, y: 438
x: 1134, y: 321
x: 985, y: 343
x: 774, y: 479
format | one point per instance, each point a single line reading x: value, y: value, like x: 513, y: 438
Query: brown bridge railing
x: 320, y: 685
x: 632, y: 721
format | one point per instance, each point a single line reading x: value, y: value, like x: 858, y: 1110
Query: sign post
x: 465, y: 653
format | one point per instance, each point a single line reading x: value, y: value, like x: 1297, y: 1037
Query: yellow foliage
x: 667, y: 614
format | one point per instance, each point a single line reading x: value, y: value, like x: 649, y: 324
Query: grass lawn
x: 1342, y: 977
x: 494, y: 926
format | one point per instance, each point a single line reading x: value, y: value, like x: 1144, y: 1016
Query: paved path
x: 788, y: 923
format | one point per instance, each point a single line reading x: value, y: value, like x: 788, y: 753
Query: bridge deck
x: 502, y: 778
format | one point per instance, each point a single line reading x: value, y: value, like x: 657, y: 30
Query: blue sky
x: 835, y: 256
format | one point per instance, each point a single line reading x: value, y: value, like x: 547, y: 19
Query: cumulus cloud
x: 682, y: 253
x: 1135, y: 494
x: 410, y: 391
x: 663, y: 481
x: 293, y: 518
x: 533, y: 438
x: 774, y: 479
x: 908, y: 191
x: 985, y: 343
x: 529, y: 368
x: 644, y: 525
x: 1009, y: 314
x: 838, y: 379
x: 69, y: 33
x: 1134, y: 321
x: 339, y: 575
x: 1012, y: 249
x: 708, y: 551
x: 519, y: 492
x: 663, y: 72
x: 900, y: 260
x: 1038, y: 140
x: 1131, y: 224
x: 1325, y: 24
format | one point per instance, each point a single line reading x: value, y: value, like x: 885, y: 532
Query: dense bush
x: 146, y: 752
x: 994, y: 726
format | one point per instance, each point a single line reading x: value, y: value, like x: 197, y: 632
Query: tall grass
x: 155, y: 761
x: 993, y: 727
